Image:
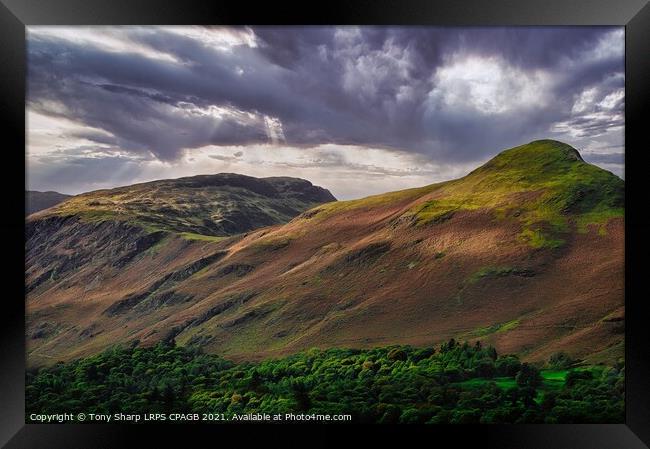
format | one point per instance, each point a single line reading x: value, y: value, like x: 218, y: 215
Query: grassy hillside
x: 545, y: 184
x: 525, y: 253
x: 210, y: 205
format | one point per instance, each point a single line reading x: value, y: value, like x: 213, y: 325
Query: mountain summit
x: 212, y: 205
x: 545, y: 185
x: 524, y: 253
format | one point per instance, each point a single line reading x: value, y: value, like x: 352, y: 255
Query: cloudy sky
x: 358, y: 110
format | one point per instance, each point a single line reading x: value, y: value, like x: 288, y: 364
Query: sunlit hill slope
x: 524, y: 253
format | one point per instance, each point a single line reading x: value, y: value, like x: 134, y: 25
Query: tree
x: 256, y: 381
x: 410, y: 416
x: 449, y: 346
x: 507, y: 366
x: 560, y: 360
x: 91, y: 372
x: 576, y: 375
x: 438, y: 387
x: 549, y: 401
x: 528, y: 376
x: 485, y: 368
x: 397, y: 354
x: 300, y: 395
x: 168, y: 397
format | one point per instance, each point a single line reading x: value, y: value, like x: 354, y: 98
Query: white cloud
x: 584, y: 101
x: 613, y: 99
x: 109, y: 38
x: 368, y: 73
x: 347, y: 171
x: 46, y: 134
x: 610, y: 46
x: 274, y: 129
x: 487, y: 85
x: 218, y: 38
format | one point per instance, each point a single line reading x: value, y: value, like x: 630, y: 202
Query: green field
x: 551, y: 379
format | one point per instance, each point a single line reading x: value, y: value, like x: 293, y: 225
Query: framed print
x: 367, y: 221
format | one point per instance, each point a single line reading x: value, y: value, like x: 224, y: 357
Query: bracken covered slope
x: 525, y: 253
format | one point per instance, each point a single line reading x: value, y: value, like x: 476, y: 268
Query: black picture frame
x: 16, y: 14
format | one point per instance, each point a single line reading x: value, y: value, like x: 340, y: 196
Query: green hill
x: 525, y: 253
x: 209, y: 205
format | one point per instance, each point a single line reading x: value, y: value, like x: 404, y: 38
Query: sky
x: 357, y: 110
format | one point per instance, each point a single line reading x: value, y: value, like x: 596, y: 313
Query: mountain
x: 525, y: 253
x: 208, y: 205
x: 36, y: 201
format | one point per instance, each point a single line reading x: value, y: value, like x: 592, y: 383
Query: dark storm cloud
x: 306, y: 86
x: 532, y: 47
